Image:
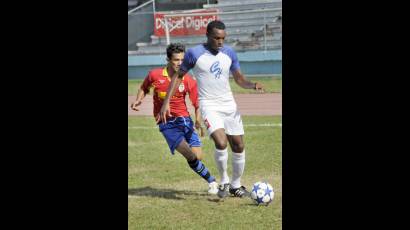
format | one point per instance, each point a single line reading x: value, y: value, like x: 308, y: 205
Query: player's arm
x: 244, y: 83
x: 142, y: 91
x: 138, y: 100
x: 198, y: 122
x: 193, y: 96
x: 165, y: 110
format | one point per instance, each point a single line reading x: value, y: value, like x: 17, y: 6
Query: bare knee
x: 238, y: 147
x: 221, y: 145
x: 220, y: 139
x: 236, y: 143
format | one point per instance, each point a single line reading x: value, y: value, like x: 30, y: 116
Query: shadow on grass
x: 163, y: 193
x: 255, y: 205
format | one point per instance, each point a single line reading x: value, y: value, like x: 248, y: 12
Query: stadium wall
x: 251, y: 62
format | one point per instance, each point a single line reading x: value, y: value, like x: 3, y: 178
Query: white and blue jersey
x: 216, y: 101
x: 212, y: 73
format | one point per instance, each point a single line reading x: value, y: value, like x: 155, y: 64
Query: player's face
x: 216, y: 38
x: 176, y: 60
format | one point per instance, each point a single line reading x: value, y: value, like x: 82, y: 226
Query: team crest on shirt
x: 161, y: 81
x: 216, y: 70
x: 181, y: 87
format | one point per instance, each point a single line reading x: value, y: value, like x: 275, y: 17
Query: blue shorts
x: 177, y: 129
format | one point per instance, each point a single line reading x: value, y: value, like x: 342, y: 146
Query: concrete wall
x: 140, y: 27
x: 255, y: 62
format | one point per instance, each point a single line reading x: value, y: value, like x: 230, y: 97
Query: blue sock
x: 201, y: 170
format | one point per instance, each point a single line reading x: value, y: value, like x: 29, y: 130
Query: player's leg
x: 195, y: 144
x: 175, y: 137
x: 193, y: 161
x: 238, y: 159
x: 215, y: 127
x: 191, y: 137
x: 213, y: 186
x: 238, y: 165
x: 193, y: 141
x: 198, y: 152
x: 234, y: 130
x: 221, y: 160
x: 221, y: 154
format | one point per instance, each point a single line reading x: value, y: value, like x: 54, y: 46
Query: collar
x: 165, y: 73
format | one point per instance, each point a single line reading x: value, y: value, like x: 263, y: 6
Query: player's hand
x: 259, y: 87
x: 164, y: 113
x: 199, y: 128
x: 135, y: 104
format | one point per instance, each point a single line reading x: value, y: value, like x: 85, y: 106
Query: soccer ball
x: 262, y: 193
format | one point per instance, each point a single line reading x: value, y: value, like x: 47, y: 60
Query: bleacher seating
x: 245, y: 31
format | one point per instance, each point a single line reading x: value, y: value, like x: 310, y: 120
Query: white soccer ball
x: 262, y: 193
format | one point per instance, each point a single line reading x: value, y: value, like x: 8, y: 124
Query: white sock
x: 221, y: 160
x: 238, y: 166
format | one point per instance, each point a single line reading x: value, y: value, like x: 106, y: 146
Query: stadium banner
x: 186, y: 25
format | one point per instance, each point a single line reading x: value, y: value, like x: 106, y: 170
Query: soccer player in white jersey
x: 211, y: 63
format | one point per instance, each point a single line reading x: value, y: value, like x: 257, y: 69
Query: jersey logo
x: 161, y: 81
x: 181, y: 88
x: 216, y: 70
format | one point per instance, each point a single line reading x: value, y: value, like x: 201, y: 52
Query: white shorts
x: 217, y: 118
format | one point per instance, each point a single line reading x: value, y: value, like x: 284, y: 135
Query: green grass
x: 164, y: 193
x: 271, y: 85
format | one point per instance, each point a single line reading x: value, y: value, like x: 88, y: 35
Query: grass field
x: 164, y: 193
x: 271, y: 85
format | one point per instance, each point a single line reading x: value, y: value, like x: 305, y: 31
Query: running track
x: 248, y: 104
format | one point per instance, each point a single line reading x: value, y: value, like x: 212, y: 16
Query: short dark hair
x: 175, y: 48
x: 215, y: 24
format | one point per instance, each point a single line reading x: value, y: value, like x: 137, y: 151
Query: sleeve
x: 193, y: 92
x: 189, y: 61
x: 147, y: 83
x: 234, y: 58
